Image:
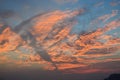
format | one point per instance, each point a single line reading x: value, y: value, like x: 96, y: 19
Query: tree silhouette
x: 113, y: 77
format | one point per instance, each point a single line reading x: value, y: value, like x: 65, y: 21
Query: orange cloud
x: 104, y: 18
x: 51, y: 37
x: 64, y: 66
x: 48, y: 21
x: 7, y: 39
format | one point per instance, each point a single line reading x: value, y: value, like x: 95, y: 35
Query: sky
x: 60, y: 39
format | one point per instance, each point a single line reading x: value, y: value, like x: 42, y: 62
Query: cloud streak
x: 7, y: 14
x: 65, y: 1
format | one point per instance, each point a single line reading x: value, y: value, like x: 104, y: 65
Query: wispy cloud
x: 65, y: 1
x: 115, y: 3
x: 7, y: 13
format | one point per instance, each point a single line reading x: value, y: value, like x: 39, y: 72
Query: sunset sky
x: 57, y: 39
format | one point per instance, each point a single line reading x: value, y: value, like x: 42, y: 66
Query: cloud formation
x: 65, y: 1
x: 51, y: 43
x: 7, y: 13
x: 9, y: 40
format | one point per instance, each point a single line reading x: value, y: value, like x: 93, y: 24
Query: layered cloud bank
x: 46, y: 41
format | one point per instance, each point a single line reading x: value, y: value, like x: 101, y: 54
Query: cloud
x: 65, y: 49
x: 102, y: 67
x: 102, y: 50
x: 48, y: 35
x: 104, y: 18
x: 108, y: 16
x: 7, y: 39
x: 64, y: 66
x: 91, y: 45
x: 91, y: 42
x: 114, y: 3
x: 52, y: 25
x: 7, y: 13
x: 65, y: 1
x: 99, y: 4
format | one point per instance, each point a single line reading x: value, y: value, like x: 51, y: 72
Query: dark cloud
x: 2, y: 27
x: 102, y: 50
x: 3, y: 42
x: 96, y: 68
x: 7, y: 13
x: 113, y: 77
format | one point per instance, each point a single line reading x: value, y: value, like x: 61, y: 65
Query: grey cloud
x: 102, y: 50
x: 7, y: 13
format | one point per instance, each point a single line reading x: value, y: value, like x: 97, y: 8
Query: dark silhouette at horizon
x: 113, y: 77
